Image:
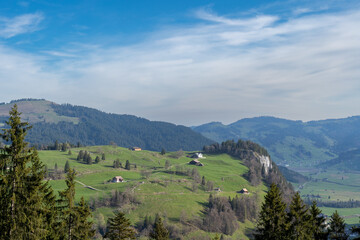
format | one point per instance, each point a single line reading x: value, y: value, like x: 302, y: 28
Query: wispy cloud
x: 302, y: 67
x: 10, y: 27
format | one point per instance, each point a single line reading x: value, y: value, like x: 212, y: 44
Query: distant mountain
x: 68, y: 123
x: 293, y: 143
x: 346, y: 161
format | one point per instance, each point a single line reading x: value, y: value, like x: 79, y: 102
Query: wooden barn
x: 117, y: 179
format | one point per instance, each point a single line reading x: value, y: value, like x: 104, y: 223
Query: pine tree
x: 69, y: 152
x: 318, y: 223
x: 57, y: 145
x: 81, y: 155
x: 160, y: 232
x: 84, y: 227
x: 25, y: 202
x: 337, y: 227
x: 163, y: 151
x: 67, y: 167
x: 127, y: 165
x: 67, y: 210
x: 73, y: 220
x: 117, y: 163
x: 103, y: 156
x: 97, y: 159
x: 56, y: 168
x: 356, y: 230
x: 89, y: 159
x: 119, y: 228
x: 203, y: 182
x: 272, y: 218
x: 299, y: 219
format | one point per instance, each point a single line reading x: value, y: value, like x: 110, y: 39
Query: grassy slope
x: 169, y: 200
x: 37, y: 111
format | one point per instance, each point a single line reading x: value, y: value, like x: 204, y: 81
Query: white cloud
x: 305, y: 67
x: 10, y: 27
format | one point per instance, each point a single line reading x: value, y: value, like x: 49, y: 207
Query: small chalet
x: 244, y: 191
x: 197, y: 155
x: 136, y: 149
x: 117, y: 179
x: 196, y: 162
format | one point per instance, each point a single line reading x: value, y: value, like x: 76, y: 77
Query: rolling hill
x: 292, y: 143
x: 73, y: 124
x: 161, y: 184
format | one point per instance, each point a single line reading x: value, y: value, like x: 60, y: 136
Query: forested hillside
x: 73, y: 124
x: 293, y: 143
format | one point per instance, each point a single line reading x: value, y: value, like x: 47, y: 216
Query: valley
x: 332, y: 186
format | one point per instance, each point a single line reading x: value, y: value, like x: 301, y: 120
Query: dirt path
x: 86, y: 186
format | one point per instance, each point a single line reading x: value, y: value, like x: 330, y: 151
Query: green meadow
x: 163, y: 191
x: 333, y: 185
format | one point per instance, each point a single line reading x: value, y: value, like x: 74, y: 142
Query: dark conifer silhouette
x: 272, y: 218
x: 119, y: 228
x: 160, y: 232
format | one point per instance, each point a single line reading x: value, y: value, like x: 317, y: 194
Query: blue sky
x: 186, y: 62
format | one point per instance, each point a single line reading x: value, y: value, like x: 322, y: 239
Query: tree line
x: 338, y: 204
x: 222, y: 214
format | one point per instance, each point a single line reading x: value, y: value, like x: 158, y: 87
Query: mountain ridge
x: 292, y: 143
x: 89, y: 126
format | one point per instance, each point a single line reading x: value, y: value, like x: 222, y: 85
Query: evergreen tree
x: 57, y: 145
x: 160, y: 232
x: 127, y: 165
x: 272, y: 218
x: 318, y: 223
x: 81, y: 155
x: 56, y: 168
x: 103, y: 156
x: 73, y: 220
x: 119, y: 228
x: 67, y: 211
x: 84, y: 228
x: 337, y: 227
x: 163, y: 151
x: 89, y: 159
x: 203, y: 182
x: 97, y: 159
x: 300, y: 227
x: 67, y: 166
x: 117, y: 163
x: 25, y: 202
x: 69, y: 152
x: 356, y: 230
